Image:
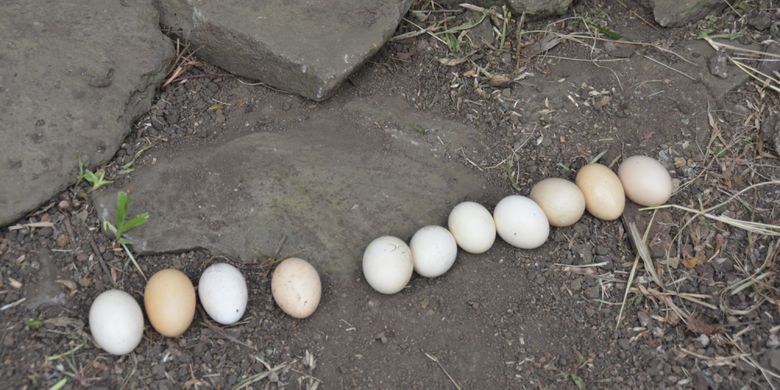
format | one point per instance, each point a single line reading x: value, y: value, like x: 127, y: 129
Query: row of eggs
x: 117, y: 322
x: 523, y: 222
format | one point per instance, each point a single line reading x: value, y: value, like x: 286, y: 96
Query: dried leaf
x: 696, y: 325
x: 216, y: 107
x: 456, y: 61
x: 546, y: 43
x: 71, y: 285
x: 471, y: 73
x: 692, y: 262
x: 15, y: 283
x: 500, y: 81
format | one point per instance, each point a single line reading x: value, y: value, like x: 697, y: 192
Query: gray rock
x: 535, y: 9
x: 675, y: 13
x: 74, y: 76
x: 305, y: 47
x: 330, y: 183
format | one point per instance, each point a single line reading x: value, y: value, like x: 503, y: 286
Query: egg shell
x: 433, y: 251
x: 472, y: 226
x: 387, y: 264
x: 169, y: 299
x: 223, y: 293
x: 296, y: 287
x: 521, y: 222
x: 645, y: 181
x: 604, y: 196
x: 561, y: 200
x: 116, y: 322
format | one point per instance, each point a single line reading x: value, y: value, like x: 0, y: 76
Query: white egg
x: 116, y: 322
x: 223, y: 293
x: 472, y: 226
x: 433, y: 251
x: 387, y: 264
x: 521, y: 222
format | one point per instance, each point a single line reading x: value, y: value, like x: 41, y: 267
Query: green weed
x: 122, y: 225
x: 95, y: 179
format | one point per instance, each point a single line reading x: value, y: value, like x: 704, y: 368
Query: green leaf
x: 138, y: 220
x: 33, y: 324
x: 59, y: 385
x: 121, y: 209
x: 578, y: 381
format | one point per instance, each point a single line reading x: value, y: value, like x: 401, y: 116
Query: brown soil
x: 511, y: 318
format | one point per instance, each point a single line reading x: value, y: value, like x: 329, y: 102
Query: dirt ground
x: 545, y: 318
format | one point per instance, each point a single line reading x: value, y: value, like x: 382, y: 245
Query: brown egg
x: 604, y: 196
x: 296, y: 288
x: 169, y: 299
x: 561, y: 200
x: 645, y: 181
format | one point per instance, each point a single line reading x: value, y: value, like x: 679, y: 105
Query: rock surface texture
x: 301, y: 46
x: 73, y: 77
x: 675, y: 13
x: 536, y: 9
x: 329, y: 183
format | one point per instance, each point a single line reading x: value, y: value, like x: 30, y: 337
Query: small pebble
x: 64, y: 205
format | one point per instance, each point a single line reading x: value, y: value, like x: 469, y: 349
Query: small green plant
x: 122, y: 225
x: 33, y: 324
x: 421, y: 130
x: 96, y: 179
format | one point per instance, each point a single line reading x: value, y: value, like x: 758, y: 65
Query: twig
x: 669, y: 67
x: 436, y: 360
x: 31, y: 225
x: 12, y: 304
x: 101, y: 260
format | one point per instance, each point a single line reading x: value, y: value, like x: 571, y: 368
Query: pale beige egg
x: 603, y: 192
x: 645, y: 181
x: 561, y: 200
x: 169, y: 299
x: 296, y: 287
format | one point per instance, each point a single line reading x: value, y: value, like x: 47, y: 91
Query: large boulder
x: 74, y: 76
x: 301, y: 46
x: 675, y: 13
x: 329, y: 180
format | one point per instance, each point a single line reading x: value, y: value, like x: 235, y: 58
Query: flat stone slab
x: 301, y: 46
x: 329, y: 183
x: 73, y: 77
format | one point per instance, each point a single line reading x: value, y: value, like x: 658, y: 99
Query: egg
x: 296, y: 287
x: 604, y: 196
x: 561, y: 200
x: 116, y: 322
x: 521, y: 222
x: 433, y: 251
x: 645, y: 181
x: 223, y: 293
x: 169, y: 299
x: 472, y: 226
x: 387, y: 264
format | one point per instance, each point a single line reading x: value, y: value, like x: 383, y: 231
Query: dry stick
x: 102, y: 261
x: 436, y: 360
x: 669, y: 67
x: 634, y: 267
x: 222, y: 333
x: 643, y: 44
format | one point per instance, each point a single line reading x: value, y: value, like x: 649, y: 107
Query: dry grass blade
x: 436, y: 360
x: 632, y: 274
x: 643, y: 251
x: 766, y: 80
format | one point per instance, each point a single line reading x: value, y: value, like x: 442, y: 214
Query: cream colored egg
x: 223, y: 293
x: 169, y: 299
x: 472, y: 226
x: 387, y: 264
x: 116, y: 322
x: 296, y: 287
x: 521, y: 222
x: 604, y: 196
x: 645, y: 181
x: 433, y: 251
x: 561, y: 200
